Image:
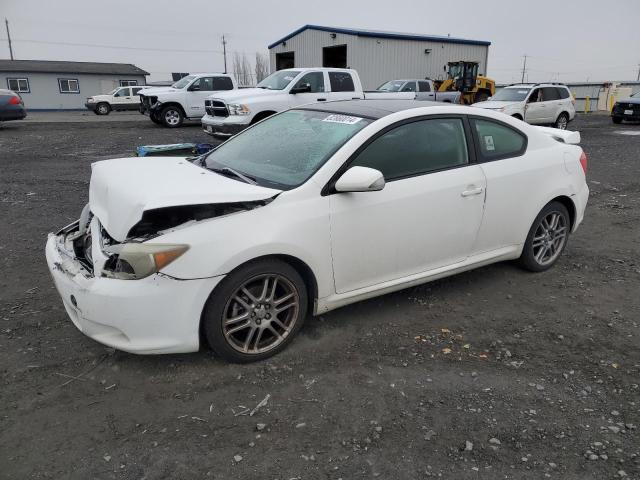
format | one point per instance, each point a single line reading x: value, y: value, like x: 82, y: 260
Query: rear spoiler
x: 564, y: 136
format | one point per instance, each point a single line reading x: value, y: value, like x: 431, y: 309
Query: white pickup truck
x: 413, y: 88
x: 228, y: 113
x: 170, y: 106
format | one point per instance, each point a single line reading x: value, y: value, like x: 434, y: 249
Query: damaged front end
x: 88, y: 244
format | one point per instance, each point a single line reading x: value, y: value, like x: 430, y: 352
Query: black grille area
x: 216, y: 108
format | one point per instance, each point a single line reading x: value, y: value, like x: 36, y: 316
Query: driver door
x: 122, y: 97
x: 197, y: 93
x: 427, y: 216
x: 318, y: 91
x: 535, y: 108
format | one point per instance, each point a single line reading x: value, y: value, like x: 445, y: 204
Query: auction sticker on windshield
x: 346, y: 119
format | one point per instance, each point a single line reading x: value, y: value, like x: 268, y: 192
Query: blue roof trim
x: 375, y: 34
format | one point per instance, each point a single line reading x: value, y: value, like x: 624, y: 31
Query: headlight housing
x: 238, y: 109
x: 133, y: 261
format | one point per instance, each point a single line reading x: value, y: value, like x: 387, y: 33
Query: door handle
x: 472, y: 191
x: 322, y: 99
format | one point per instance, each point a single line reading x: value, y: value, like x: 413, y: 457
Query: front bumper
x: 224, y: 127
x: 157, y: 314
x: 90, y: 106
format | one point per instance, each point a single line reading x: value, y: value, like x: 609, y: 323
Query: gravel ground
x: 495, y: 373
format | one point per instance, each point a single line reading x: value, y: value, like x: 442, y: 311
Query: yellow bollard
x: 612, y: 101
x: 587, y: 104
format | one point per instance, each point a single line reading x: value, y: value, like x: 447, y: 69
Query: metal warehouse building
x: 377, y: 56
x: 52, y: 85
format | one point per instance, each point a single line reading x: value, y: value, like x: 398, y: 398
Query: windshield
x: 278, y: 80
x: 183, y: 82
x: 636, y: 95
x: 511, y: 95
x: 392, y: 86
x: 262, y: 153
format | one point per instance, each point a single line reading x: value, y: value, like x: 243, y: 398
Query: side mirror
x: 360, y: 179
x: 301, y: 88
x: 194, y: 88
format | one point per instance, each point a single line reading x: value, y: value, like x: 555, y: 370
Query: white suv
x: 537, y: 104
x: 122, y: 98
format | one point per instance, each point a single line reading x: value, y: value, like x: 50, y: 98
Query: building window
x: 69, y: 85
x: 128, y: 83
x: 18, y: 85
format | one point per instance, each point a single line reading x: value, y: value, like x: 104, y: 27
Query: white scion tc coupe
x: 309, y: 210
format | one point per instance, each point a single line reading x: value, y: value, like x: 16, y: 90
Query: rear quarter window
x: 497, y: 141
x: 563, y: 92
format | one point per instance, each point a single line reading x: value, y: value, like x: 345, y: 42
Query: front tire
x: 171, y: 116
x: 547, y: 238
x: 562, y: 121
x: 255, y: 311
x: 616, y: 120
x: 103, y: 108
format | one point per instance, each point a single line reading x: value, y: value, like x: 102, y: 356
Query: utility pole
x: 639, y: 72
x: 524, y: 68
x: 224, y: 52
x: 6, y: 23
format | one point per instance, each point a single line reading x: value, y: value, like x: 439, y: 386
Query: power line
x: 122, y: 47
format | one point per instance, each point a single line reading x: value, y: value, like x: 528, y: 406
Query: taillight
x: 583, y: 162
x: 15, y: 100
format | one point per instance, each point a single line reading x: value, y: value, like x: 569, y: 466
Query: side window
x: 536, y: 96
x: 222, y: 83
x: 409, y: 87
x: 498, y: 141
x: 341, y: 82
x: 549, y: 94
x: 416, y: 148
x: 424, y: 87
x: 69, y: 85
x: 206, y: 84
x: 315, y: 79
x: 563, y: 92
x: 135, y: 90
x: 19, y: 85
x: 123, y: 92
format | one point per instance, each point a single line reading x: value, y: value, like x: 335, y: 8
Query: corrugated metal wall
x: 380, y: 59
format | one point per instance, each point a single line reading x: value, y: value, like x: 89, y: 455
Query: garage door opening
x: 334, y: 57
x: 284, y: 60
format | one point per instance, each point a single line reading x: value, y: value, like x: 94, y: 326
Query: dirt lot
x: 495, y: 373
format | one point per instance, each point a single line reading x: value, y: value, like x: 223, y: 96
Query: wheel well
x: 261, y: 116
x: 517, y: 115
x: 569, y: 205
x: 563, y: 113
x: 174, y: 104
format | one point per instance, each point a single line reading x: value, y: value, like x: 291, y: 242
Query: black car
x: 11, y: 106
x: 627, y: 109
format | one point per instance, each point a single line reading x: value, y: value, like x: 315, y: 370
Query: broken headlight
x: 238, y: 109
x: 133, y: 261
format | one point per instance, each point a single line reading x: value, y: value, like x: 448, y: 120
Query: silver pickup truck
x: 412, y: 89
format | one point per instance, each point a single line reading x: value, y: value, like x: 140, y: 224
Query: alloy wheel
x: 102, y: 109
x: 172, y: 117
x: 549, y: 238
x: 260, y: 314
x: 562, y: 122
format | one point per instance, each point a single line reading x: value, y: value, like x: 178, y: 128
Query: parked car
x: 537, y: 104
x: 11, y: 106
x: 119, y: 99
x: 413, y: 89
x: 312, y: 209
x: 170, y: 106
x: 626, y: 109
x: 228, y: 113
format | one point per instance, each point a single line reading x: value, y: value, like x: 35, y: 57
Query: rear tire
x: 171, y: 116
x: 562, y: 121
x: 547, y: 238
x: 103, y: 108
x: 255, y: 311
x: 616, y: 120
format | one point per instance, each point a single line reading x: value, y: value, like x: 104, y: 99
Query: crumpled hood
x: 157, y: 91
x: 233, y: 96
x: 493, y: 105
x: 122, y: 189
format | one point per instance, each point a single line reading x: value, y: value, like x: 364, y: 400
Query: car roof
x: 373, y: 109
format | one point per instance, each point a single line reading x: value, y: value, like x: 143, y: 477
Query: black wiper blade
x: 230, y: 171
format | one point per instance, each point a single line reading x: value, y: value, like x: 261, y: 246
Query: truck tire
x: 616, y: 120
x: 171, y: 116
x: 103, y: 108
x: 154, y: 118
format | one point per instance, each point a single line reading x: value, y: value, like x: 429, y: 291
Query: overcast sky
x: 566, y: 40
